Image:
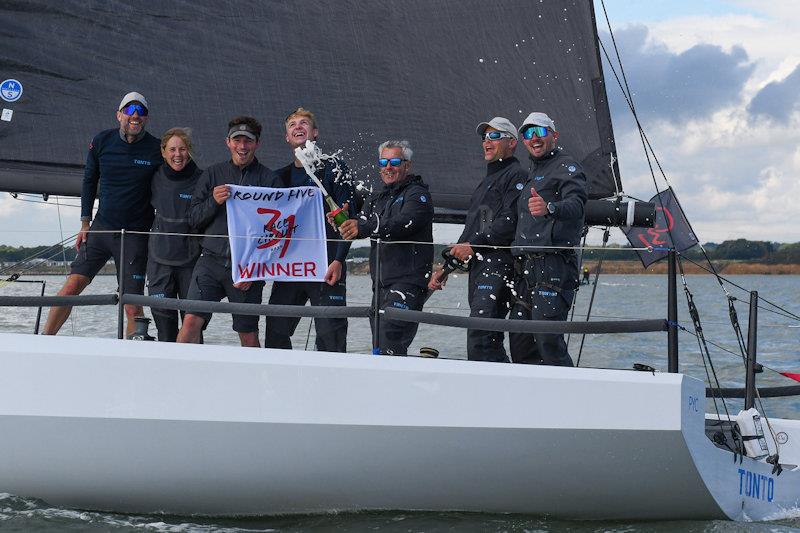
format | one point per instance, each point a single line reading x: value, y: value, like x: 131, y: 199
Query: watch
x: 551, y: 208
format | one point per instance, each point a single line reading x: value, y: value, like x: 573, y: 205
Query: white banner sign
x: 276, y: 234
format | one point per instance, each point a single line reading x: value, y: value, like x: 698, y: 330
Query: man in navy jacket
x: 301, y: 126
x: 120, y: 164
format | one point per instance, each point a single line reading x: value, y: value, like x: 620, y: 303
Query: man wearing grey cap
x: 119, y: 167
x: 488, y: 231
x: 551, y: 215
x: 211, y: 278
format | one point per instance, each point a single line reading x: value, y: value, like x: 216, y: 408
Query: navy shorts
x: 98, y: 248
x: 211, y: 282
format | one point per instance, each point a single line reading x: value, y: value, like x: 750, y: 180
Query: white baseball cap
x: 133, y: 97
x: 500, y: 124
x: 538, y: 119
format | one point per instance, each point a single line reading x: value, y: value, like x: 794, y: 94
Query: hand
x: 462, y: 251
x: 83, y: 235
x: 221, y: 193
x: 243, y: 285
x: 438, y: 280
x: 329, y: 215
x: 334, y: 272
x: 536, y: 204
x: 349, y: 229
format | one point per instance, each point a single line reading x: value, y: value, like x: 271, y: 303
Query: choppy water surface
x: 616, y: 297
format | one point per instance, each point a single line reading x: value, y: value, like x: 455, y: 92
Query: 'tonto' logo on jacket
x: 142, y: 162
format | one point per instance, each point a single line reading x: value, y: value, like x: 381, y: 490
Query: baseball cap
x: 133, y: 97
x: 500, y: 124
x: 538, y: 119
x: 242, y: 130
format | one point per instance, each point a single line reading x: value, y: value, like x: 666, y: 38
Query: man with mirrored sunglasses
x: 401, y: 210
x: 119, y: 167
x: 549, y: 227
x: 488, y: 232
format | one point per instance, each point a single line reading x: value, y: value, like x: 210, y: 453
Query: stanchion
x: 121, y: 282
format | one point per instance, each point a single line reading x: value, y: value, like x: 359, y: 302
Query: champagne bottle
x: 339, y: 214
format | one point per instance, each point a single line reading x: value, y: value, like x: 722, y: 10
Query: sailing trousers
x: 489, y: 294
x: 547, y: 283
x: 331, y: 333
x: 166, y: 281
x: 395, y: 336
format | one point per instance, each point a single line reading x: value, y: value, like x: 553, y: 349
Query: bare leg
x: 249, y: 339
x: 74, y: 285
x: 132, y: 311
x: 192, y: 329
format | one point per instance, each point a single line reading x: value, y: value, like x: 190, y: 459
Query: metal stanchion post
x: 376, y: 328
x: 121, y: 281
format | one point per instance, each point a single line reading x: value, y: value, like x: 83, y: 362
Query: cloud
x: 677, y: 86
x: 778, y: 99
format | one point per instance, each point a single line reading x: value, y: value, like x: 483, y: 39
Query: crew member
x: 551, y: 214
x: 301, y: 126
x: 121, y: 163
x: 171, y: 258
x: 401, y: 210
x: 211, y: 278
x: 491, y: 222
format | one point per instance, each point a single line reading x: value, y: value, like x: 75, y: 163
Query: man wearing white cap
x: 211, y: 277
x: 550, y: 224
x: 488, y: 231
x: 119, y: 168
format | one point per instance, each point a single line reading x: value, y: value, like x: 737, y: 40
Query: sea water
x: 617, y: 297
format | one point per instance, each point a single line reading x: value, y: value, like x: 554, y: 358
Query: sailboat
x: 117, y: 425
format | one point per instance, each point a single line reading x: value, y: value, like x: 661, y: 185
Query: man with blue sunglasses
x: 549, y: 227
x: 488, y: 231
x: 119, y: 167
x: 401, y: 210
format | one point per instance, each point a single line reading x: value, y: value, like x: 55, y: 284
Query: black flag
x: 671, y: 230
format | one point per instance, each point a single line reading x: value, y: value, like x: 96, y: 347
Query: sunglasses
x: 393, y: 162
x: 130, y: 109
x: 495, y: 136
x: 534, y: 131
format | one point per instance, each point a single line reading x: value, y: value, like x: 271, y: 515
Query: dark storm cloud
x: 778, y: 99
x: 665, y: 85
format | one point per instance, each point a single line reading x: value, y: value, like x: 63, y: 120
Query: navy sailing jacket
x: 559, y: 179
x: 492, y: 215
x: 400, y: 212
x: 122, y: 171
x: 207, y: 216
x: 336, y: 181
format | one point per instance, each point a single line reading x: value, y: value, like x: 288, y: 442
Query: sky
x: 716, y: 84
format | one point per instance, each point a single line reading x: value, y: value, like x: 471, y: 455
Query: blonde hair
x: 301, y: 112
x: 184, y: 134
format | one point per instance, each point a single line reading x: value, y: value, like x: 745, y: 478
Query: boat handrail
x: 53, y: 301
x: 527, y: 326
x: 199, y: 306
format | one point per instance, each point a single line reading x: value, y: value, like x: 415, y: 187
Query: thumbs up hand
x: 536, y: 204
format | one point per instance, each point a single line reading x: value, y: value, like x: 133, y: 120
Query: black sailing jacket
x: 207, y: 216
x: 400, y: 212
x: 559, y: 179
x: 492, y: 215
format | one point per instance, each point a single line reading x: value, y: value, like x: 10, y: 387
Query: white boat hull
x: 152, y: 427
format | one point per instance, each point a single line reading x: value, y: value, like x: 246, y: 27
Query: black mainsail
x: 420, y: 70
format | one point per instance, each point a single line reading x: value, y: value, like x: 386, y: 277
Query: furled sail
x: 420, y: 70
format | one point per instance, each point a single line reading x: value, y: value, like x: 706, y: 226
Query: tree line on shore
x: 733, y: 250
